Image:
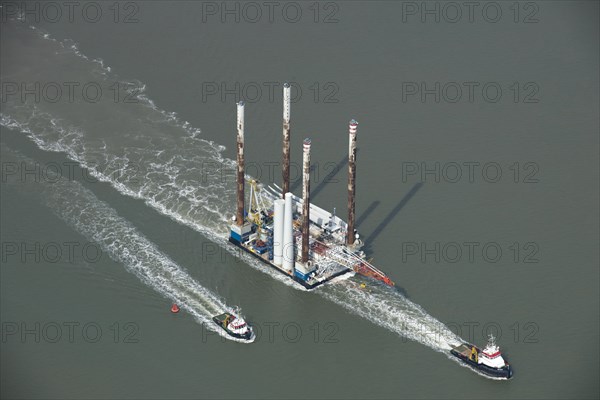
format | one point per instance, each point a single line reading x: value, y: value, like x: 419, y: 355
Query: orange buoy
x: 174, y: 308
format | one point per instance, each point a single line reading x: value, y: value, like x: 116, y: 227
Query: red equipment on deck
x: 367, y: 270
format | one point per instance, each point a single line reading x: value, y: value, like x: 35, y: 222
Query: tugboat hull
x: 501, y: 373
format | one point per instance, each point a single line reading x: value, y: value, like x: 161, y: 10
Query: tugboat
x: 234, y: 325
x: 489, y: 361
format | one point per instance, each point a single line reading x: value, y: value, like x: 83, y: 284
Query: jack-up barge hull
x: 294, y: 278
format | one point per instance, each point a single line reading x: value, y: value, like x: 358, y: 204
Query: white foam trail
x: 168, y: 180
x: 388, y: 308
x: 49, y: 134
x: 100, y: 223
x: 381, y: 305
x: 134, y: 88
x: 384, y: 307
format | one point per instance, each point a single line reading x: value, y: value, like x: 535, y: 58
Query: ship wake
x: 386, y: 307
x: 150, y: 154
x: 100, y: 223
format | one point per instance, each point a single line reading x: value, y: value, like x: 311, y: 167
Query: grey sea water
x: 477, y: 194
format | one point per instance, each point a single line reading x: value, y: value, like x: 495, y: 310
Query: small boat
x: 489, y: 360
x: 234, y: 325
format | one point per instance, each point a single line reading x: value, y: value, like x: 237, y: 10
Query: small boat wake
x: 150, y: 154
x: 98, y: 222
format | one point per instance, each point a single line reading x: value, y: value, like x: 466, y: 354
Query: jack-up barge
x: 300, y: 240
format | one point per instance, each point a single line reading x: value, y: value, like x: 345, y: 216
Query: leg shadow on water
x: 392, y: 214
x: 385, y: 222
x: 387, y: 306
x: 324, y: 180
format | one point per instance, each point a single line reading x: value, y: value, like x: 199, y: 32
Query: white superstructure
x: 279, y: 207
x: 491, y: 355
x: 289, y: 254
x: 238, y: 326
